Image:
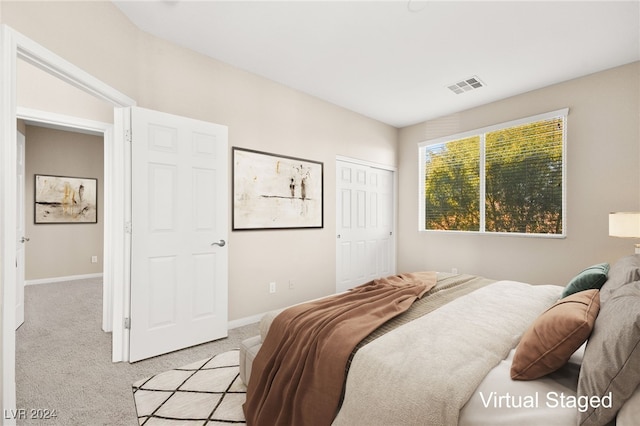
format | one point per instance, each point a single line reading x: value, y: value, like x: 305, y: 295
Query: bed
x: 467, y: 350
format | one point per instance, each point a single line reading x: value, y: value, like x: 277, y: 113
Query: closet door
x: 365, y: 241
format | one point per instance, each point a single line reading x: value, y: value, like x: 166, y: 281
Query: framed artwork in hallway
x: 64, y: 199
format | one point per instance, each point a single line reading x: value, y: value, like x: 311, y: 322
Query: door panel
x: 364, y: 215
x: 179, y: 208
x: 20, y: 231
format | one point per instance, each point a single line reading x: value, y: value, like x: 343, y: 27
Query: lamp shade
x: 624, y: 224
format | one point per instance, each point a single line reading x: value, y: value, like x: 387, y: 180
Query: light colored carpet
x: 63, y: 358
x: 208, y: 392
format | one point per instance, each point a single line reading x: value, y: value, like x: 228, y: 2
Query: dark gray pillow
x: 625, y: 270
x: 591, y: 278
x: 611, y: 363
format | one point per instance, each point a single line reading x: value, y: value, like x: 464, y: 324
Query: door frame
x: 21, y: 169
x: 96, y: 128
x: 394, y: 226
x: 14, y: 46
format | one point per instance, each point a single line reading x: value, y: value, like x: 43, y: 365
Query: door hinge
x: 127, y: 135
x: 127, y: 323
x: 127, y: 227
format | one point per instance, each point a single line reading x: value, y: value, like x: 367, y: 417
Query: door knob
x: 24, y: 239
x: 220, y: 243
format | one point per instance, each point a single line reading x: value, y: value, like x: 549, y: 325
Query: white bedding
x: 479, y: 410
x: 425, y: 371
x: 476, y: 411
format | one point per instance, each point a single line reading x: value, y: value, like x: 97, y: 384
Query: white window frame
x: 481, y: 132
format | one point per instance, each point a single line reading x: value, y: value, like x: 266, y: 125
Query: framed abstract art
x: 63, y: 199
x: 273, y: 191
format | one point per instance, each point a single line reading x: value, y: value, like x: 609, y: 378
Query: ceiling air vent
x: 466, y: 85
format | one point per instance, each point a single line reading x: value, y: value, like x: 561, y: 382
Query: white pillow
x: 630, y: 411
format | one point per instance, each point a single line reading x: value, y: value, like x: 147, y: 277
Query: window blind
x: 523, y: 178
x: 506, y: 178
x: 452, y: 185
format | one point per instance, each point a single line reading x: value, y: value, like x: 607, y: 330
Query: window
x: 506, y: 179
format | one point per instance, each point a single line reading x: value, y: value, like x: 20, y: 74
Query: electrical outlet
x: 94, y: 259
x: 272, y: 287
x: 291, y: 285
x: 454, y: 270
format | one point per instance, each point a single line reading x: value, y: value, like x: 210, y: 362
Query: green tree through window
x: 508, y: 179
x: 452, y: 185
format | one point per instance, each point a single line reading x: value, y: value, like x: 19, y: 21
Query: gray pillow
x: 611, y: 363
x: 591, y: 278
x: 623, y: 271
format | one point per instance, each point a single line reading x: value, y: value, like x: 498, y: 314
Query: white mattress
x: 493, y: 401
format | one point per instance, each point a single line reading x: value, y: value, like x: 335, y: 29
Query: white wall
x: 603, y: 175
x: 260, y: 114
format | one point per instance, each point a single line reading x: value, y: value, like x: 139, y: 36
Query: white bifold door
x: 365, y: 241
x: 179, y: 229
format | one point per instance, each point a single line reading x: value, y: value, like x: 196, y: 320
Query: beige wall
x: 266, y: 116
x: 260, y: 115
x: 603, y: 175
x: 61, y: 250
x: 41, y: 91
x: 93, y: 35
x: 603, y: 155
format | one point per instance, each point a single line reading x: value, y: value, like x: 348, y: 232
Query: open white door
x: 179, y: 204
x: 365, y: 244
x: 20, y: 229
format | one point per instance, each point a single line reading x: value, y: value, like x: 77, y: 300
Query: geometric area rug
x: 208, y: 392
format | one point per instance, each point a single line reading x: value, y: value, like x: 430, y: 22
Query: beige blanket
x: 425, y: 371
x: 298, y: 375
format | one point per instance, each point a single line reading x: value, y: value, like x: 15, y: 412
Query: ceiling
x: 393, y: 60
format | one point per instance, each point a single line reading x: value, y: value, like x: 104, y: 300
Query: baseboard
x: 60, y: 279
x: 244, y: 321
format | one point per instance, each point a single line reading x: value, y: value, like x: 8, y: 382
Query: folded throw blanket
x: 298, y: 375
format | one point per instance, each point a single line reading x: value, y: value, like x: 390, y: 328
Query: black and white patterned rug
x: 208, y: 392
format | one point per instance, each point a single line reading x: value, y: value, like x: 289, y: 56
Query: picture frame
x: 272, y: 191
x: 65, y: 199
